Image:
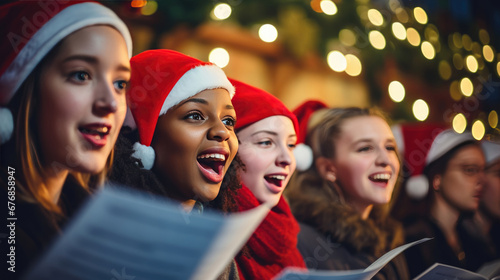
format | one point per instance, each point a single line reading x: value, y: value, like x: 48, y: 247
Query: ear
x: 436, y: 183
x: 326, y: 169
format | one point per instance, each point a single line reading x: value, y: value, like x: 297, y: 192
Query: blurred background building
x: 431, y: 61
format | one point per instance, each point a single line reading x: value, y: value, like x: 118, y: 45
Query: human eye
x: 471, y: 170
x: 365, y: 149
x: 229, y: 121
x: 194, y: 116
x: 265, y: 143
x: 120, y: 85
x: 79, y: 76
x: 292, y: 146
x: 390, y: 148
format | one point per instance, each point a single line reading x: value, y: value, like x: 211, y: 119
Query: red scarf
x: 273, y: 245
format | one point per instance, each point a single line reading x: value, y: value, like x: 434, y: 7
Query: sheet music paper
x: 357, y: 274
x: 123, y: 234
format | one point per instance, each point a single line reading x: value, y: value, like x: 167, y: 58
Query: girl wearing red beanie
x: 267, y: 132
x: 182, y: 141
x: 64, y: 70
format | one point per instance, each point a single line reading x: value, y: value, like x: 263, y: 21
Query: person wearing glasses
x: 454, y: 168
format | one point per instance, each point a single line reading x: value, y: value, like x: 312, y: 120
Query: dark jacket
x: 320, y: 252
x: 420, y: 257
x: 36, y: 230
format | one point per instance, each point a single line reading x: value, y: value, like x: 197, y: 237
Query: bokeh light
x: 466, y: 87
x: 221, y: 11
x: 420, y: 15
x: 459, y: 123
x: 488, y: 53
x: 375, y: 17
x: 493, y: 119
x: 478, y: 130
x: 458, y: 61
x: 428, y: 50
x: 150, y: 8
x: 412, y: 36
x: 399, y: 31
x: 484, y: 37
x: 396, y: 91
x: 354, y: 66
x: 268, y: 33
x: 377, y: 39
x: 347, y: 37
x: 455, y: 92
x: 328, y: 7
x: 444, y: 70
x: 471, y: 63
x: 420, y: 110
x: 219, y: 56
x: 337, y: 61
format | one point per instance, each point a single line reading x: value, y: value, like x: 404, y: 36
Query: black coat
x: 321, y: 253
x: 35, y: 231
x: 422, y: 256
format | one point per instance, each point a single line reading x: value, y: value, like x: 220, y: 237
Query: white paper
x: 358, y: 274
x: 439, y: 271
x: 123, y: 235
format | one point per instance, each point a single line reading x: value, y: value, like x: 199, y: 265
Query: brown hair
x: 321, y: 203
x: 32, y: 172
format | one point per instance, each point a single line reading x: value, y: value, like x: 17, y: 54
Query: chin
x: 210, y: 195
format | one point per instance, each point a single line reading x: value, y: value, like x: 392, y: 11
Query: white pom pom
x: 146, y: 154
x: 417, y: 187
x: 304, y: 156
x: 6, y: 125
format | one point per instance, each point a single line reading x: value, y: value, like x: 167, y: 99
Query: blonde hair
x: 32, y: 172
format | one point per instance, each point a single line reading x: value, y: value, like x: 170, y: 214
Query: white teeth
x: 278, y: 177
x: 382, y: 176
x: 217, y: 156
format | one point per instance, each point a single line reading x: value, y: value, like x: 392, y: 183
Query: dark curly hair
x: 127, y: 171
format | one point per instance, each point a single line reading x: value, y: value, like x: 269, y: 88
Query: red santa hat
x: 303, y: 153
x: 253, y: 104
x: 491, y: 151
x: 30, y: 29
x: 160, y: 80
x: 421, y: 145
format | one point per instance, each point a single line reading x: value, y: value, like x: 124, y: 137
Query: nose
x: 285, y: 156
x: 106, y: 101
x: 383, y: 157
x: 219, y: 132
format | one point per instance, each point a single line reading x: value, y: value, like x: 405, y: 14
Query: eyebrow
x: 272, y: 133
x: 202, y: 101
x: 194, y: 100
x: 364, y: 140
x: 93, y: 60
x: 264, y: 131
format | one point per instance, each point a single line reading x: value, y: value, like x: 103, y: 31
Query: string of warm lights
x: 459, y: 60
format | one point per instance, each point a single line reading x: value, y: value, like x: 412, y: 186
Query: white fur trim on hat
x: 195, y: 81
x: 417, y: 186
x: 303, y: 156
x: 444, y: 142
x: 146, y: 154
x: 491, y: 151
x: 57, y: 28
x: 6, y: 125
